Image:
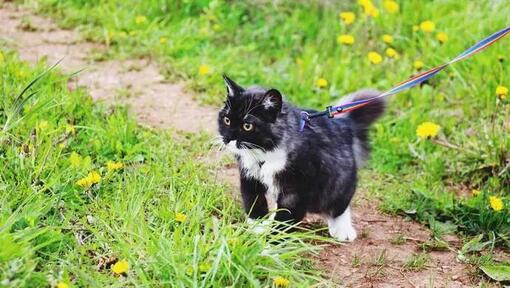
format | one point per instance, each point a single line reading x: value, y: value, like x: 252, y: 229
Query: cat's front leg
x: 291, y: 209
x: 254, y: 199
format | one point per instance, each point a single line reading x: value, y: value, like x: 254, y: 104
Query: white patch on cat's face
x: 263, y: 166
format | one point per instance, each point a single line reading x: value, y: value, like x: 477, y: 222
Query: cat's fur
x: 313, y: 171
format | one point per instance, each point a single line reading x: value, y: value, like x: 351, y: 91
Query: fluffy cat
x: 311, y: 171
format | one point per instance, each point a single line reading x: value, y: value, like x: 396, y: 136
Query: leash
x: 332, y: 111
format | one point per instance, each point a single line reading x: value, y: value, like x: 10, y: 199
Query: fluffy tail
x: 363, y: 117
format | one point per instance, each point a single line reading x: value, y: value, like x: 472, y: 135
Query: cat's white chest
x: 263, y: 166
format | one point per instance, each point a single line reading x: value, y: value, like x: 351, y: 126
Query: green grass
x: 291, y: 44
x: 53, y: 230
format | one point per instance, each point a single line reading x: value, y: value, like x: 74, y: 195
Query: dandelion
x: 496, y: 203
x: 121, y: 267
x: 345, y: 39
x: 321, y: 83
x: 75, y: 160
x: 368, y: 8
x: 374, y: 57
x: 281, y: 282
x: 216, y: 27
x: 441, y: 37
x: 427, y: 26
x: 180, y: 217
x: 204, y: 267
x: 140, y: 19
x: 475, y: 192
x: 70, y: 129
x: 62, y: 285
x: 347, y: 17
x: 387, y: 38
x: 418, y: 64
x: 392, y: 53
x: 502, y: 92
x: 112, y: 166
x: 163, y: 40
x: 91, y: 179
x: 427, y: 130
x: 391, y: 6
x: 203, y: 69
x: 43, y: 125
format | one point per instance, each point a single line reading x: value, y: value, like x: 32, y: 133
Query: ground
x: 386, y: 244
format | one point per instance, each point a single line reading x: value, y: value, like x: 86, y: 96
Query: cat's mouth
x: 237, y: 147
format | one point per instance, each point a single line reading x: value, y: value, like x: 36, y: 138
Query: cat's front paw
x: 343, y: 233
x: 259, y: 227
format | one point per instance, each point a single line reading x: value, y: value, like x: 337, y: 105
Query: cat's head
x: 245, y: 120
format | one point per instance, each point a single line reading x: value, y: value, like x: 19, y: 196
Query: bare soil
x: 385, y: 244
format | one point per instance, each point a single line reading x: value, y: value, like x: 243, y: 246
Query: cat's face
x: 245, y: 120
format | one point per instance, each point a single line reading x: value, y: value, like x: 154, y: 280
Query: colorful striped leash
x: 332, y: 111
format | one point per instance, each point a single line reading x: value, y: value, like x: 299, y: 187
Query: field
x: 82, y: 183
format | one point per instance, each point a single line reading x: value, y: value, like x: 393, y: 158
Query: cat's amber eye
x: 247, y: 127
x: 226, y: 120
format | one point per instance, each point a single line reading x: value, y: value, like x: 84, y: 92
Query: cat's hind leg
x: 340, y: 227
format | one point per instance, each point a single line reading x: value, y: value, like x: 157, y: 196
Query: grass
x: 158, y: 209
x: 285, y: 44
x: 292, y: 44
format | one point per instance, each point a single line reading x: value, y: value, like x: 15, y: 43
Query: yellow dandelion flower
x: 281, y: 282
x: 475, y: 192
x: 84, y: 182
x: 427, y: 130
x: 120, y: 267
x: 140, y: 19
x: 442, y: 37
x: 391, y: 6
x: 368, y: 8
x: 345, y: 39
x: 62, y: 285
x: 418, y: 64
x: 75, y: 160
x: 347, y: 17
x: 94, y: 177
x: 43, y: 125
x: 216, y: 27
x: 502, y: 92
x: 321, y: 83
x: 392, y: 53
x: 70, y: 129
x: 112, y: 166
x: 496, y: 203
x: 203, y: 69
x: 163, y: 40
x: 387, y: 38
x: 180, y: 217
x: 427, y: 26
x: 374, y: 57
x: 204, y: 267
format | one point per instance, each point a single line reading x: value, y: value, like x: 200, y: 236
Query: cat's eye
x: 247, y: 127
x: 226, y: 120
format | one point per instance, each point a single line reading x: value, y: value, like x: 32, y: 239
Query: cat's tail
x: 362, y: 118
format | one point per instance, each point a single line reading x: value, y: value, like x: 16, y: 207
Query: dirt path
x: 386, y: 243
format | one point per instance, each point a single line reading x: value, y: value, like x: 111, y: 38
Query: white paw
x: 259, y: 227
x: 341, y: 227
x: 347, y: 233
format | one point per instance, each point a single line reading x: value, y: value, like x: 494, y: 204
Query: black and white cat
x: 311, y: 171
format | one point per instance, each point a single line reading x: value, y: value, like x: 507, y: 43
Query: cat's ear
x: 272, y: 103
x: 232, y: 88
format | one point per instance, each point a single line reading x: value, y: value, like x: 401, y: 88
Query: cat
x: 311, y: 171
